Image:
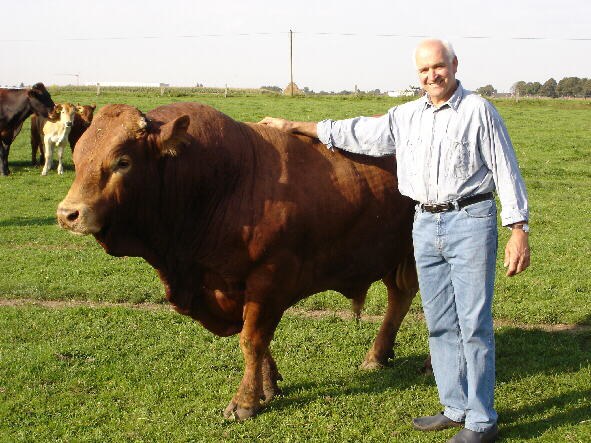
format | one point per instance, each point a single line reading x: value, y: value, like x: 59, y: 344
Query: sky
x: 337, y: 44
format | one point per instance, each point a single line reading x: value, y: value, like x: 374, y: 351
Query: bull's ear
x: 172, y: 135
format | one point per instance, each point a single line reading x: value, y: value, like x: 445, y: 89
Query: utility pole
x: 291, y: 61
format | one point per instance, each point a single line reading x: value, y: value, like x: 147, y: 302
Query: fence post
x: 98, y: 89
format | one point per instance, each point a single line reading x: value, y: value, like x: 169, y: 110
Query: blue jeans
x: 455, y: 252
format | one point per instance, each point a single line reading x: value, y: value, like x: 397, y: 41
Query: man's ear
x: 173, y: 135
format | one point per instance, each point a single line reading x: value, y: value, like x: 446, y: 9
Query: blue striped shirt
x: 444, y: 153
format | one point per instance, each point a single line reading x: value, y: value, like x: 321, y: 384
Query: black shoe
x: 434, y: 423
x: 468, y: 436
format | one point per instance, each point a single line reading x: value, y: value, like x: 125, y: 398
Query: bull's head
x: 117, y: 174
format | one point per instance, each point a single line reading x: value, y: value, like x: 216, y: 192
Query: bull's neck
x: 193, y: 211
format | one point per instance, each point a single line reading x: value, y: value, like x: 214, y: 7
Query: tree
x: 586, y: 87
x: 486, y: 91
x: 548, y: 89
x: 570, y: 87
x: 533, y: 88
x: 519, y: 89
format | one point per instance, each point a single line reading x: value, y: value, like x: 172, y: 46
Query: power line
x: 255, y: 34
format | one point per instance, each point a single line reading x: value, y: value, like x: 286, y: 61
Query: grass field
x: 115, y: 373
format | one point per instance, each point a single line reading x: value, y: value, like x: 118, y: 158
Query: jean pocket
x: 486, y: 208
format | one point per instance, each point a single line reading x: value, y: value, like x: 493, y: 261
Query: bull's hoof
x: 371, y: 365
x: 270, y: 393
x: 238, y: 413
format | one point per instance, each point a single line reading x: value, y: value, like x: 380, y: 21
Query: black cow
x: 15, y: 106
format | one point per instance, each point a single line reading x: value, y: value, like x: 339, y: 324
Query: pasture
x: 89, y: 351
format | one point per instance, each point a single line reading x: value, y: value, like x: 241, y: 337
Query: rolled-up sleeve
x: 499, y: 155
x: 361, y: 135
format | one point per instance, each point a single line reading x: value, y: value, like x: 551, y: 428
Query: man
x: 452, y: 151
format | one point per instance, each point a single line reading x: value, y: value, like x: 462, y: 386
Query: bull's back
x: 342, y: 212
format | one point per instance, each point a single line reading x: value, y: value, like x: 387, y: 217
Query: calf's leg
x: 48, y: 156
x: 60, y: 154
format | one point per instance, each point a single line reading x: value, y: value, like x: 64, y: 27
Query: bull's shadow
x: 18, y: 166
x: 522, y: 357
x: 28, y: 221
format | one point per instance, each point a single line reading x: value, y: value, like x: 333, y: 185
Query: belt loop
x: 456, y: 205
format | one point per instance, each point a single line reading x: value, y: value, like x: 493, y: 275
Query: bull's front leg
x: 255, y: 337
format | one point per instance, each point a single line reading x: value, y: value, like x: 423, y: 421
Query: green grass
x: 115, y: 374
x: 120, y: 374
x: 553, y: 143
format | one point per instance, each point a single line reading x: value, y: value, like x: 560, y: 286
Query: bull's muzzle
x: 67, y: 217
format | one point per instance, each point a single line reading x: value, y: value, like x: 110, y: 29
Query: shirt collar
x: 453, y: 102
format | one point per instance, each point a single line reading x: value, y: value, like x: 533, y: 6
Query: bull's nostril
x: 72, y: 216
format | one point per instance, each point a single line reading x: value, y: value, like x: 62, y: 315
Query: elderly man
x: 453, y: 151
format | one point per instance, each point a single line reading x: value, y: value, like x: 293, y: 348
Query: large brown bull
x: 241, y: 221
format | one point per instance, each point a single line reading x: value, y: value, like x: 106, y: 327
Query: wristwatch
x: 523, y: 226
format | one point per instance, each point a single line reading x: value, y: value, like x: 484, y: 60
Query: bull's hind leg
x: 255, y: 337
x: 402, y: 285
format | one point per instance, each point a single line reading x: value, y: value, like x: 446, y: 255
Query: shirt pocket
x: 460, y: 158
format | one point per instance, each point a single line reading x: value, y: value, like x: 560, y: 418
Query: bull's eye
x: 122, y: 164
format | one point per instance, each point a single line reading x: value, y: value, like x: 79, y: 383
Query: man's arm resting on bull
x: 305, y: 128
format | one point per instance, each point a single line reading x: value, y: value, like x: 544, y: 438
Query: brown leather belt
x: 450, y: 206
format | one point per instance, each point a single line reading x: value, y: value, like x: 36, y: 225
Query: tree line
x: 567, y: 87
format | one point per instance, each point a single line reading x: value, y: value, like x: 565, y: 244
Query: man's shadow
x: 534, y: 357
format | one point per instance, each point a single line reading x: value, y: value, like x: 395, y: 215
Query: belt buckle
x: 436, y: 207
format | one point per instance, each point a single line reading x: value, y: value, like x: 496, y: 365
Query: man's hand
x: 305, y: 128
x: 277, y: 123
x: 517, y: 252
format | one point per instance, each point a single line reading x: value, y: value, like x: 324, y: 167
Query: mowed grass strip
x: 121, y: 374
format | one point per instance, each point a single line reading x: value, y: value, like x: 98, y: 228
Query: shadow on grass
x: 28, y: 221
x: 18, y: 165
x: 522, y: 356
x: 569, y: 409
x: 586, y: 321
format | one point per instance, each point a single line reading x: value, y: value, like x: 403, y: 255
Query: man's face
x: 436, y: 72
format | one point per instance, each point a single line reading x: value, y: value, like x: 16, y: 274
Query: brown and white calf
x: 82, y: 120
x: 55, y: 134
